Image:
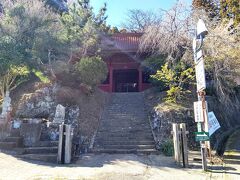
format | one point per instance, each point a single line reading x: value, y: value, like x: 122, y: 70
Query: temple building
x: 126, y: 74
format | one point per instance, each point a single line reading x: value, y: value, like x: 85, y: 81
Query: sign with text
x: 198, y: 111
x: 202, y: 136
x: 200, y: 75
x: 213, y: 123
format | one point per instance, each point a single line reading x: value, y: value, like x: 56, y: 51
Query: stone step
x: 116, y: 130
x: 125, y: 134
x: 122, y: 109
x: 129, y: 112
x: 139, y: 142
x: 126, y: 151
x: 124, y: 122
x: 51, y: 158
x: 123, y: 128
x: 15, y: 132
x: 40, y: 150
x: 118, y: 112
x: 13, y: 151
x: 46, y: 144
x: 139, y: 146
x: 131, y: 138
x: 116, y: 117
x: 17, y: 140
x: 12, y: 139
x: 8, y: 145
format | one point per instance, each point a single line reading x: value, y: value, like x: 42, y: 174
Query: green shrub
x: 176, y: 79
x: 41, y: 76
x: 91, y: 70
x: 167, y: 147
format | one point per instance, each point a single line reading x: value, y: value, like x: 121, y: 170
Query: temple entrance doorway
x: 125, y: 80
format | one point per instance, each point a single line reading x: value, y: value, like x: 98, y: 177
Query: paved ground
x: 232, y: 155
x: 109, y: 167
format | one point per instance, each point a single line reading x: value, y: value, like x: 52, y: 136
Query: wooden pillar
x: 176, y: 143
x: 111, y: 78
x: 65, y: 144
x: 184, y: 144
x: 140, y: 79
x: 60, y: 145
x: 68, y: 145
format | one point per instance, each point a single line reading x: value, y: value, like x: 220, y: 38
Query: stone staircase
x: 124, y: 127
x: 12, y: 142
x: 43, y: 151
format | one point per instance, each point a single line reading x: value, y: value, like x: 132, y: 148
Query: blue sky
x: 117, y: 9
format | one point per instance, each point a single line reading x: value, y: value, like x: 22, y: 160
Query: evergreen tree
x: 57, y: 5
x: 210, y: 6
x: 28, y: 30
x: 114, y: 30
x: 230, y: 9
x: 82, y: 28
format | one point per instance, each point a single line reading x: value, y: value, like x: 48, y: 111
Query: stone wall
x: 82, y: 111
x: 162, y: 118
x: 162, y: 115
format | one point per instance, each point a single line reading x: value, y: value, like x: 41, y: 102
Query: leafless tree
x: 172, y: 35
x: 137, y: 20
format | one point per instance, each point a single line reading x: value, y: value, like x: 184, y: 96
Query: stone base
x: 31, y: 133
x: 58, y: 121
x: 3, y: 120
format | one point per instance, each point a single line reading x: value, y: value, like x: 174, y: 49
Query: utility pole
x: 200, y: 107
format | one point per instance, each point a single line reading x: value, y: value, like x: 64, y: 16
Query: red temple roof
x: 127, y: 42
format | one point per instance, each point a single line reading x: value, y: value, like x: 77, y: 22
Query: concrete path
x: 232, y: 156
x: 109, y: 167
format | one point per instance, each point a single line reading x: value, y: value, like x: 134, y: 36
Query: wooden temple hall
x: 120, y: 52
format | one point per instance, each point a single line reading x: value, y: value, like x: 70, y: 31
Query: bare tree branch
x: 137, y: 20
x: 171, y: 36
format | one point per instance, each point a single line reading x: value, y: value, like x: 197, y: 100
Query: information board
x: 213, y: 123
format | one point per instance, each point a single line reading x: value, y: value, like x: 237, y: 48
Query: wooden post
x: 176, y: 142
x: 204, y: 155
x: 139, y: 79
x: 184, y: 144
x: 60, y: 144
x: 201, y: 97
x: 68, y: 144
x: 111, y: 78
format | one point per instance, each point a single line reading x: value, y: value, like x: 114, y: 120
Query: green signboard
x: 202, y: 136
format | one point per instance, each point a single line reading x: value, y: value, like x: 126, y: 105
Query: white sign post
x: 213, y: 123
x: 198, y: 111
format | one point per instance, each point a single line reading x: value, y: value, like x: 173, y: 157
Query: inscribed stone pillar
x: 60, y: 114
x: 6, y: 108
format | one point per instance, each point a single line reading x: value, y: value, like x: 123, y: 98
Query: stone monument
x: 59, y: 115
x: 6, y: 107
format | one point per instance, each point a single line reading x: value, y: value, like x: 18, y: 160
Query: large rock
x: 72, y: 115
x: 31, y: 133
x: 39, y: 104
